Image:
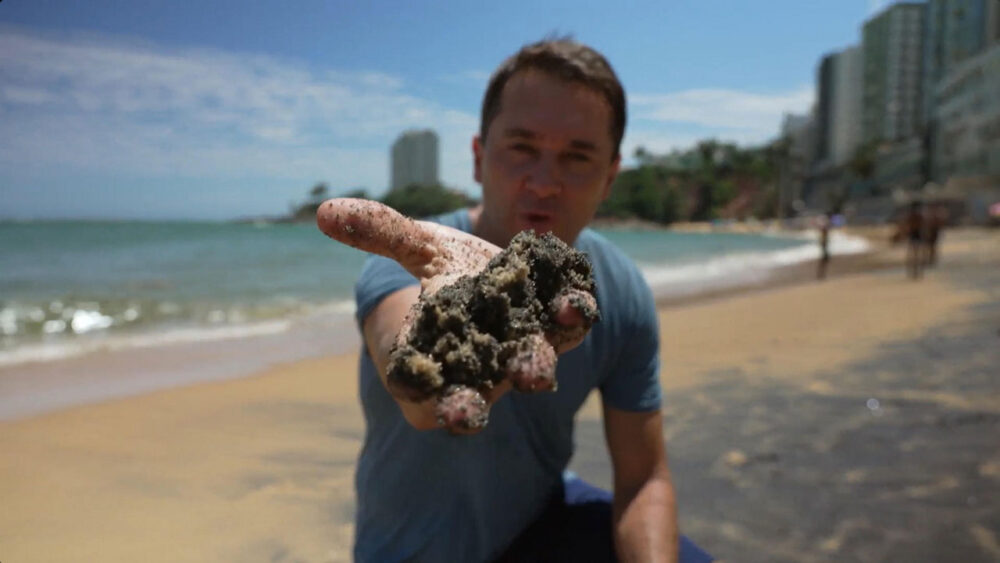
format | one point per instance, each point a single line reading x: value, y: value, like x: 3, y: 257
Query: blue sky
x: 220, y: 109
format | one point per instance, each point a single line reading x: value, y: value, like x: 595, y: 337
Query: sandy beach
x: 854, y: 419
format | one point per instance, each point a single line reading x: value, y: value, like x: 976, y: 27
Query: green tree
x: 424, y: 201
x: 862, y: 163
x: 766, y: 206
x: 306, y: 211
x: 357, y: 193
x: 644, y: 193
x: 642, y: 156
x: 699, y: 183
x: 318, y: 192
x: 703, y: 209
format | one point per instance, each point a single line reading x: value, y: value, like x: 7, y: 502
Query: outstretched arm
x: 644, y: 510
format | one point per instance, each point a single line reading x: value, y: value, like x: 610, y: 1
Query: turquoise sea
x: 70, y: 286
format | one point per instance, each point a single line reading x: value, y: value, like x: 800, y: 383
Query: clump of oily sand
x: 472, y: 334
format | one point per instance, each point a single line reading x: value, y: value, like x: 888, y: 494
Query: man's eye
x: 578, y: 157
x: 523, y: 148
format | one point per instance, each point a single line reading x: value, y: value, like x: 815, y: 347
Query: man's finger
x: 373, y: 227
x: 574, y: 313
x: 533, y: 367
x: 427, y: 250
x: 462, y: 410
x: 575, y: 308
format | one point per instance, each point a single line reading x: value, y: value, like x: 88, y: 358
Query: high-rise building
x: 993, y: 23
x: 839, y: 85
x: 965, y: 117
x: 963, y: 58
x: 800, y: 132
x: 415, y: 159
x: 848, y: 88
x: 954, y: 31
x: 893, y: 60
x: 824, y: 108
x: 968, y: 119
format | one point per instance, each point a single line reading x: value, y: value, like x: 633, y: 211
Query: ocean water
x: 68, y: 287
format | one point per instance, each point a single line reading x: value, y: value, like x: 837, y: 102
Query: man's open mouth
x: 537, y: 218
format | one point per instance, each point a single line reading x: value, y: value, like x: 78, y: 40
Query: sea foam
x: 67, y: 348
x: 744, y: 268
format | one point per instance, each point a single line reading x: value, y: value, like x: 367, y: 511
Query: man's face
x: 546, y: 163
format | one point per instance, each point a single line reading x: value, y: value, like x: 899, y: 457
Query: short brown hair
x: 568, y: 60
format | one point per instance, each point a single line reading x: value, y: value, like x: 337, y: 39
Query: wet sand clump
x: 469, y: 336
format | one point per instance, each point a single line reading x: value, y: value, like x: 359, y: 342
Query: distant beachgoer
x: 824, y: 246
x: 937, y: 218
x: 911, y: 230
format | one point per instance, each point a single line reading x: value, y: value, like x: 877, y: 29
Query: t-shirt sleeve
x: 379, y: 277
x: 633, y: 383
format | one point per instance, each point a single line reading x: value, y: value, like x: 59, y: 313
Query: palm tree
x: 318, y: 192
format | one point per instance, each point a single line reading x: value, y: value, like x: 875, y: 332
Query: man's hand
x: 438, y: 256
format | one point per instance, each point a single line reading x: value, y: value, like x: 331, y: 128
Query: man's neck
x: 474, y: 214
x: 481, y: 228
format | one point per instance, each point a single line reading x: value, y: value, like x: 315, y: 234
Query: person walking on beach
x: 937, y: 218
x: 911, y: 230
x: 824, y: 246
x: 546, y: 154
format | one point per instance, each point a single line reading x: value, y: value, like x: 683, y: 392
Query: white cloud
x: 111, y: 106
x: 661, y: 123
x: 28, y: 95
x: 729, y: 111
x: 477, y: 78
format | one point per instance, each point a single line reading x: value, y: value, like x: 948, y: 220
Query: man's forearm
x: 645, y: 521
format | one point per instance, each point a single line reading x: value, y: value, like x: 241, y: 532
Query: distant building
x: 900, y: 165
x: 800, y: 132
x: 839, y: 90
x: 954, y: 31
x: 963, y: 77
x: 415, y: 159
x: 893, y: 59
x: 993, y: 24
x: 966, y: 148
x: 824, y: 108
x: 848, y: 88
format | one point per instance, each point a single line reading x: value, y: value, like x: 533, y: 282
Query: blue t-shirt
x: 434, y: 496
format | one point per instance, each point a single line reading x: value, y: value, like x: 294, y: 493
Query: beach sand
x: 853, y: 419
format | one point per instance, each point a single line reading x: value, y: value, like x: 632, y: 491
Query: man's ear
x: 477, y: 159
x: 612, y: 174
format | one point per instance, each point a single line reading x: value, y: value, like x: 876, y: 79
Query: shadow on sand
x: 894, y: 458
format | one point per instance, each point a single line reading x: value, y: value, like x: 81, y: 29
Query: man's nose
x: 544, y: 179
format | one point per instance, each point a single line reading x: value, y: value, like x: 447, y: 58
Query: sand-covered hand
x: 485, y: 316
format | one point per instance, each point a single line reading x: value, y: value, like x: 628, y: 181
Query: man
x: 911, y: 230
x: 825, y: 222
x: 553, y: 117
x: 937, y: 220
